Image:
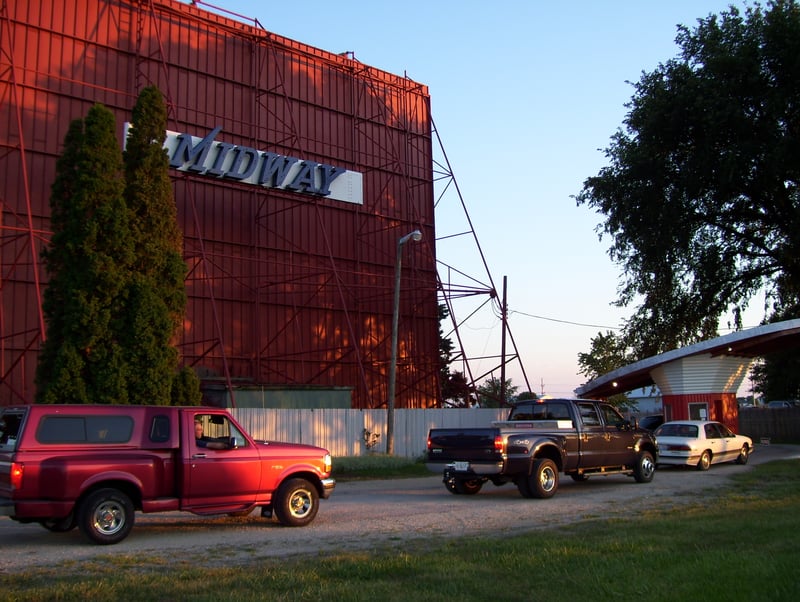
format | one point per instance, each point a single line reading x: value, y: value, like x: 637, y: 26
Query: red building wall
x: 284, y: 288
x: 721, y: 407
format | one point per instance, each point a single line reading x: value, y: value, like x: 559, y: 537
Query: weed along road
x: 373, y: 515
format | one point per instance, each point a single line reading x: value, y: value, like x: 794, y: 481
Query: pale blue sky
x: 524, y: 95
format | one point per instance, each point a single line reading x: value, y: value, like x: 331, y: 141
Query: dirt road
x: 374, y: 514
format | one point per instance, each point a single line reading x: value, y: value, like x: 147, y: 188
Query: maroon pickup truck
x: 93, y: 466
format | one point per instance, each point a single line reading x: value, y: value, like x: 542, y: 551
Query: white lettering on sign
x: 247, y: 165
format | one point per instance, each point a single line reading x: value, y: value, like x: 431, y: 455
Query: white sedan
x: 700, y: 443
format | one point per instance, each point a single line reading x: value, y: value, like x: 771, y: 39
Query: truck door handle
x: 198, y: 455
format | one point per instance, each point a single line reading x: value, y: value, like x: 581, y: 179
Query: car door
x: 620, y: 437
x: 730, y: 447
x: 715, y: 442
x: 592, y: 435
x: 219, y: 478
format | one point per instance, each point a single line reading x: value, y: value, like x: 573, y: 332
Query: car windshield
x: 677, y: 430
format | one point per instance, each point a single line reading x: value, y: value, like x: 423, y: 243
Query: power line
x: 563, y: 321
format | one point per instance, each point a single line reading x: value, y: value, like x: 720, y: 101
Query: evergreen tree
x: 116, y: 294
x: 81, y: 360
x: 157, y: 299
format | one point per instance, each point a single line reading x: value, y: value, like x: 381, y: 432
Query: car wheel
x: 543, y: 481
x: 468, y: 487
x: 106, y: 516
x: 296, y: 503
x: 744, y: 455
x: 705, y: 460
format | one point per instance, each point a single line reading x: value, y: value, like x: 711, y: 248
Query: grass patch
x: 378, y: 466
x: 741, y: 544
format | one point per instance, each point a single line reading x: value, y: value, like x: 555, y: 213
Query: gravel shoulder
x: 369, y: 515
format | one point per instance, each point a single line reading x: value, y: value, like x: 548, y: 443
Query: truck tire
x: 645, y: 468
x: 524, y: 487
x: 296, y: 503
x: 467, y: 486
x: 543, y: 480
x: 106, y: 516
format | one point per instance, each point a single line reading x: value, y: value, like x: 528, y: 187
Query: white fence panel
x: 357, y: 432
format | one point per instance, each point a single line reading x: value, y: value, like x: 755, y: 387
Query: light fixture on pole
x: 416, y: 236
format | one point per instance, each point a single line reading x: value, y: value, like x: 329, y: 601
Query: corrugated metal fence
x: 347, y: 432
x: 358, y: 432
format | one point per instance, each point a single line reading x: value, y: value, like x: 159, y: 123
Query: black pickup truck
x: 540, y: 440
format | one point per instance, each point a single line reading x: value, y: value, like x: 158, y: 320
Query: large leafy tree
x: 492, y: 391
x: 157, y: 293
x: 701, y: 194
x: 82, y: 359
x: 608, y: 353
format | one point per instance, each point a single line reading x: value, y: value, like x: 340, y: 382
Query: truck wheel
x: 645, y: 468
x: 60, y: 525
x: 468, y: 487
x: 296, y: 503
x: 450, y: 485
x: 543, y: 481
x: 705, y: 461
x: 524, y: 487
x: 106, y: 516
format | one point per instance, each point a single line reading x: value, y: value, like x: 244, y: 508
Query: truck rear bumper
x: 487, y: 469
x: 32, y: 509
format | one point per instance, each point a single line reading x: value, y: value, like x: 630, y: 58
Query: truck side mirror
x: 232, y: 443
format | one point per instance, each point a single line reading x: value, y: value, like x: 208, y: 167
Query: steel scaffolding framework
x: 24, y: 232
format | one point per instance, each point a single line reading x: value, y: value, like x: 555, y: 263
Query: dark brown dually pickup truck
x: 540, y: 440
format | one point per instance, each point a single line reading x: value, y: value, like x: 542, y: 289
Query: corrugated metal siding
x: 283, y: 288
x: 701, y: 374
x: 722, y: 407
x: 342, y: 431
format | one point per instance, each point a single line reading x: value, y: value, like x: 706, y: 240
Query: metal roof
x: 753, y: 342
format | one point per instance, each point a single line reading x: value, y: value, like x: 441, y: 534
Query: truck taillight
x: 16, y: 475
x: 498, y: 444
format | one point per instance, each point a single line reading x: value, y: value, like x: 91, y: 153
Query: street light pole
x: 416, y: 236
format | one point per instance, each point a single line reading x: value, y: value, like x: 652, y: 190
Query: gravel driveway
x: 374, y: 514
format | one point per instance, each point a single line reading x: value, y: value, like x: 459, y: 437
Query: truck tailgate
x: 473, y: 445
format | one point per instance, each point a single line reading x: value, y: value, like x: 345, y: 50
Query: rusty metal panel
x: 283, y: 288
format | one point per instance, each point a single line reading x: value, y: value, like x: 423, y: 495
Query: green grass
x: 378, y: 466
x: 742, y: 545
